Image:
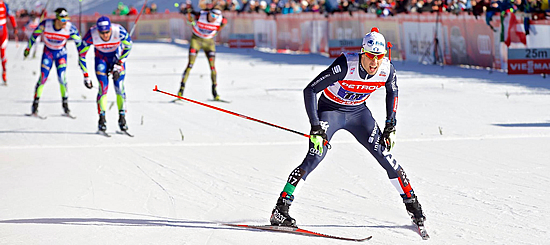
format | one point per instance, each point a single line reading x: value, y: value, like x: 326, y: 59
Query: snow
x: 473, y: 143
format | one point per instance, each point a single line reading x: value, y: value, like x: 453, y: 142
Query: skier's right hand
x: 388, y: 136
x: 318, y: 137
x: 88, y: 81
x: 26, y: 52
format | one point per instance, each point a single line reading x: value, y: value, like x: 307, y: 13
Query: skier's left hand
x: 26, y: 52
x: 88, y: 81
x: 388, y: 136
x: 117, y: 69
x: 318, y: 137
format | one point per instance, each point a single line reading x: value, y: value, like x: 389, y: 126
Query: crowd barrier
x: 463, y: 39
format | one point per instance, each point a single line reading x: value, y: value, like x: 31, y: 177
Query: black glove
x: 319, y: 138
x: 388, y: 136
x: 118, y: 68
x: 88, y: 82
x: 318, y: 130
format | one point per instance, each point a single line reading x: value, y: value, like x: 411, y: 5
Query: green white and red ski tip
x: 297, y: 231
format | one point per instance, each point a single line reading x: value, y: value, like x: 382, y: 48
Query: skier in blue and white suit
x: 112, y: 46
x: 55, y: 33
x: 345, y: 86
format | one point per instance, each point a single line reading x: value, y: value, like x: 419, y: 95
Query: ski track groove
x: 224, y: 144
x: 172, y: 200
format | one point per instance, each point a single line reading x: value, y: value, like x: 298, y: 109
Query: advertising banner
x: 241, y: 40
x: 153, y: 29
x: 462, y: 39
x: 470, y: 41
x: 345, y: 33
x: 389, y: 27
x: 288, y: 33
x: 529, y: 61
x: 265, y: 33
x: 418, y: 33
x: 179, y: 29
x: 314, y: 33
x: 241, y: 32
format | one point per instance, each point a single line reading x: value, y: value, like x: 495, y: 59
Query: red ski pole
x: 139, y: 14
x: 236, y: 114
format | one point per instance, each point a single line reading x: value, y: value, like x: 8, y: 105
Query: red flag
x: 514, y: 33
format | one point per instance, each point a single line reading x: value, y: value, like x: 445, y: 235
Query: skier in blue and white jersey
x: 112, y: 46
x: 345, y: 85
x: 55, y: 33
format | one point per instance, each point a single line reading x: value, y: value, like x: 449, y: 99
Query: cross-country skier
x: 55, y: 33
x: 206, y: 24
x: 4, y: 16
x: 112, y: 47
x: 346, y: 84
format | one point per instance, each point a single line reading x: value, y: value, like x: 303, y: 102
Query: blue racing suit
x: 107, y: 54
x: 54, y: 51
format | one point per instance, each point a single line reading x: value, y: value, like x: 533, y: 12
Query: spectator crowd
x: 539, y: 9
x: 123, y: 9
x: 535, y: 9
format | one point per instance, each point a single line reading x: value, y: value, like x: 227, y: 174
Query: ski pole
x: 237, y: 114
x: 135, y: 22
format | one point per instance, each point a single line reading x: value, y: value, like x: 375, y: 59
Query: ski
x: 220, y: 100
x: 125, y: 133
x: 103, y: 133
x: 177, y: 101
x: 68, y: 115
x: 36, y: 115
x: 422, y: 231
x: 297, y: 231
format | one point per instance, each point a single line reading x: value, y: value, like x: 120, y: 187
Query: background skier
x: 206, y: 24
x: 55, y: 33
x: 112, y: 46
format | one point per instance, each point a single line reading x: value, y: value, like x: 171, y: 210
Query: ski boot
x: 34, y: 107
x: 101, y: 124
x: 122, y: 121
x: 215, y: 93
x: 279, y: 215
x: 4, y: 79
x: 415, y: 210
x: 66, y: 106
x: 180, y: 92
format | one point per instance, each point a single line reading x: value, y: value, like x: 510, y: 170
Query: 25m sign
x: 529, y: 61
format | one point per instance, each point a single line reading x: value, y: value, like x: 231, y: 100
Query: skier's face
x: 212, y: 17
x: 371, y: 65
x: 60, y: 23
x: 105, y: 35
